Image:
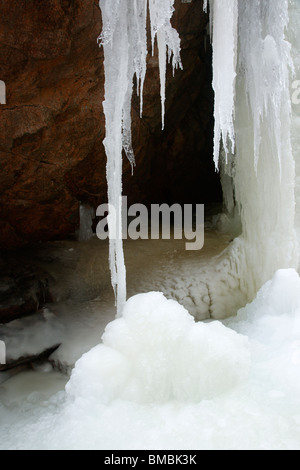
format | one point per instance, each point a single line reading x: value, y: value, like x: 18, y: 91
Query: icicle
x: 124, y: 39
x: 265, y: 58
x: 162, y: 72
x: 265, y: 167
x: 161, y: 12
x: 140, y: 66
x: 252, y: 64
x: 224, y: 30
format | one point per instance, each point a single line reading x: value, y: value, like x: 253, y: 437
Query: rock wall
x: 52, y: 126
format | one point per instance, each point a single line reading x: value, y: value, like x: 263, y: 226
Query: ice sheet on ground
x: 197, y: 280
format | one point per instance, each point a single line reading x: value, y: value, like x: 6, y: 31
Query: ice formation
x: 224, y: 29
x: 161, y: 381
x: 293, y: 35
x: 252, y: 69
x: 272, y: 320
x: 168, y: 382
x: 124, y: 39
x: 157, y: 353
x: 260, y: 173
x: 265, y: 160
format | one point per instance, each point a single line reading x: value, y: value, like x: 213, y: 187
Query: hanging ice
x: 224, y: 30
x: 168, y: 41
x: 253, y: 109
x: 124, y: 39
x: 265, y: 57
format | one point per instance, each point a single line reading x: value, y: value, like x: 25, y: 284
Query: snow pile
x: 272, y: 323
x: 161, y: 381
x: 156, y: 353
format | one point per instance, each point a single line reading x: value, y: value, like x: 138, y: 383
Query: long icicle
x: 224, y: 19
x: 124, y: 39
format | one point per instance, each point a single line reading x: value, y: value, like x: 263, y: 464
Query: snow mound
x: 272, y: 324
x: 156, y: 353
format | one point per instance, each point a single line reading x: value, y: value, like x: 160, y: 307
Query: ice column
x: 263, y: 167
x: 294, y: 38
x: 124, y: 39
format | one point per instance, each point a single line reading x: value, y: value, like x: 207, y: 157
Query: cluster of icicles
x: 124, y: 38
x: 252, y: 65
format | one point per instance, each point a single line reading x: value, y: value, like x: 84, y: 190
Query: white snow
x: 156, y: 353
x: 272, y: 323
x: 176, y: 384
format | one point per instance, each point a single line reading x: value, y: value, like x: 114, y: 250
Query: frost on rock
x: 124, y: 39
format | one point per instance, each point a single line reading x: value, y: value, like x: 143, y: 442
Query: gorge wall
x: 52, y: 125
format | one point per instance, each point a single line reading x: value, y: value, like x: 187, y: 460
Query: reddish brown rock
x: 52, y: 127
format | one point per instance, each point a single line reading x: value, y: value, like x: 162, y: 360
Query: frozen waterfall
x: 253, y: 67
x: 253, y: 147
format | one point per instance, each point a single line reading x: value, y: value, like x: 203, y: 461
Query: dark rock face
x: 52, y: 127
x: 23, y: 289
x: 28, y: 362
